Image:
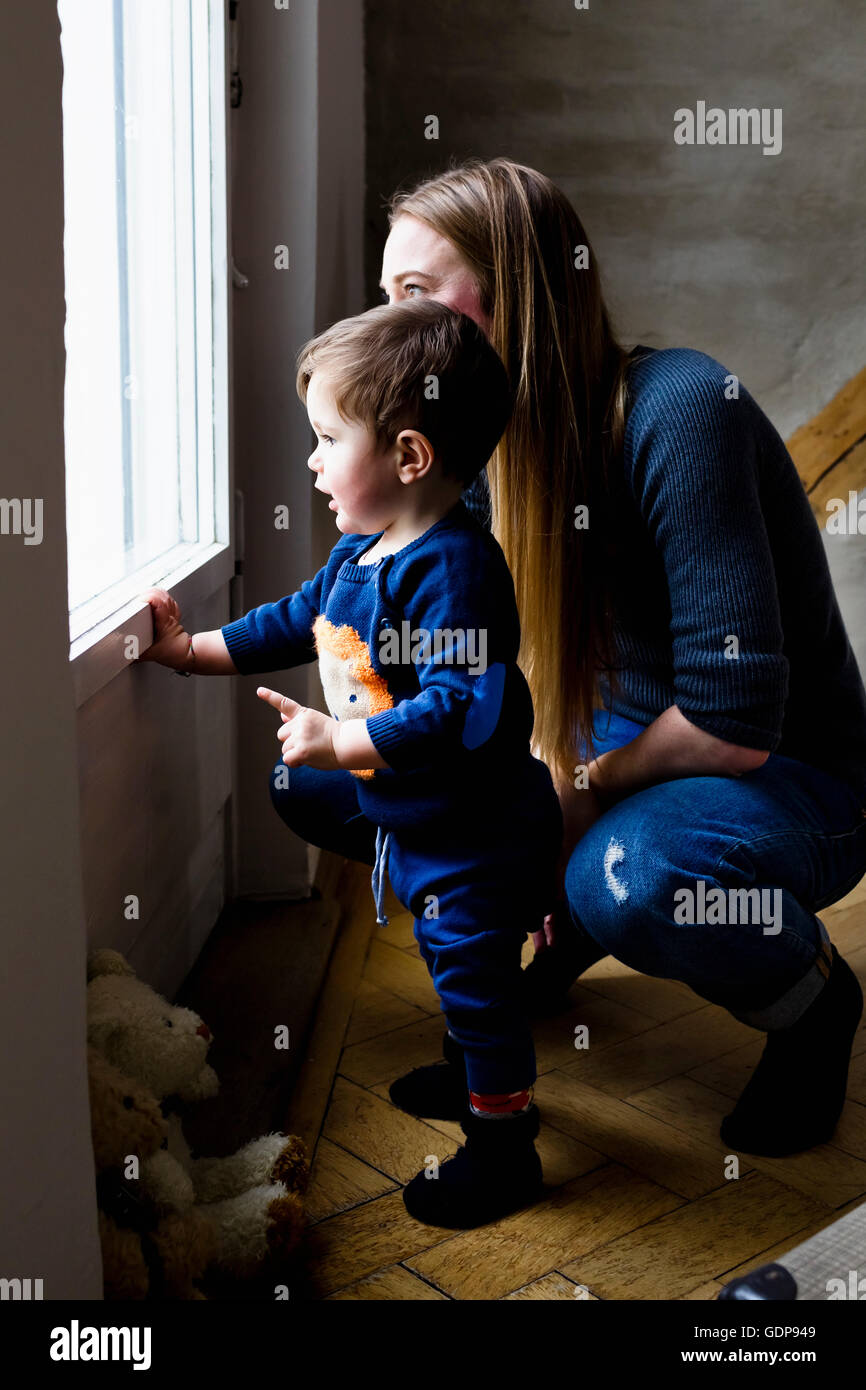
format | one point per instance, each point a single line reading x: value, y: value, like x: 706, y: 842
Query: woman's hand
x: 546, y: 937
x: 170, y: 646
x: 307, y: 735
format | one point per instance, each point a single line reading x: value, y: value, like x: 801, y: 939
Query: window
x: 146, y: 289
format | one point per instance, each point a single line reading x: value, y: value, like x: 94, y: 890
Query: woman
x: 681, y: 640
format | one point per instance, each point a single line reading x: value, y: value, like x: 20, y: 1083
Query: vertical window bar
x: 194, y: 125
x: 126, y: 383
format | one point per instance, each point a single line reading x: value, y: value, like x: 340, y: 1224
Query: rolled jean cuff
x: 789, y: 1007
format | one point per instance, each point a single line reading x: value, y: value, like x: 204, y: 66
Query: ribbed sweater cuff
x: 387, y: 735
x: 238, y: 641
x: 732, y: 731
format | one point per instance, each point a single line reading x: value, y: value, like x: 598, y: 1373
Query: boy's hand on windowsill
x: 170, y: 646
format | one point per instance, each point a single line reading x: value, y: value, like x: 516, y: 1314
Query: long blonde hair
x: 522, y: 239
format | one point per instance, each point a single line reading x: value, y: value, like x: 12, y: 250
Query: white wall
x: 48, y: 1229
x: 154, y: 771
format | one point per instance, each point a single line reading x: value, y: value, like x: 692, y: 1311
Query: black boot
x: 550, y: 974
x: 795, y: 1096
x: 436, y: 1092
x: 496, y: 1172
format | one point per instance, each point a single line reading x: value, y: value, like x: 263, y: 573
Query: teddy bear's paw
x: 244, y: 1224
x: 252, y: 1165
x: 165, y: 1183
x: 292, y: 1167
x: 277, y: 1158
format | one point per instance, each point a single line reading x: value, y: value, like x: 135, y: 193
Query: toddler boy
x: 414, y: 623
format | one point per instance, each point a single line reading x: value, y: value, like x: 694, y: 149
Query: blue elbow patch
x: 483, y: 714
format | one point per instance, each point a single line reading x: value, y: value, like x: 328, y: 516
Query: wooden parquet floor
x: 639, y: 1204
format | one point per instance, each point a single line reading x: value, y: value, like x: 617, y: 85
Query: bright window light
x: 145, y: 257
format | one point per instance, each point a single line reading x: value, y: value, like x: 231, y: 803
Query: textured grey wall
x: 756, y: 259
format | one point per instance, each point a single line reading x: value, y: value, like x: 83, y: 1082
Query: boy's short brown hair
x: 416, y: 365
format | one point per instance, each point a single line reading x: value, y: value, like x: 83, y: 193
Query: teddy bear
x: 252, y: 1198
x: 144, y: 1254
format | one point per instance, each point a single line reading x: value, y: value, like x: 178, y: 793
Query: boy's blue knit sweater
x: 423, y: 643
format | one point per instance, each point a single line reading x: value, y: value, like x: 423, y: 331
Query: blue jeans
x: 786, y: 828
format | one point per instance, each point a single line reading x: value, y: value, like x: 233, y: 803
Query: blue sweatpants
x: 476, y: 887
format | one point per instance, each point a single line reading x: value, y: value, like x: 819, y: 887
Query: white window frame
x: 99, y: 649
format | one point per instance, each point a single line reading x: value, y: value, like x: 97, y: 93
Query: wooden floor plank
x: 825, y: 1172
x: 776, y: 1253
x: 493, y: 1260
x: 339, y: 1180
x: 392, y: 1284
x: 689, y: 1164
x: 363, y: 1240
x: 729, y: 1072
x: 816, y: 445
x: 661, y: 999
x: 606, y: 1022
x: 850, y: 1134
x: 400, y: 931
x: 378, y: 1011
x: 402, y: 974
x: 380, y: 1134
x: 550, y: 1286
x: 391, y: 1054
x: 856, y: 895
x: 706, y: 1293
x: 673, y: 1253
x: 846, y: 929
x: 857, y: 1079
x: 666, y: 1051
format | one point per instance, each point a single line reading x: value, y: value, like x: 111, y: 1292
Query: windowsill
x: 99, y: 654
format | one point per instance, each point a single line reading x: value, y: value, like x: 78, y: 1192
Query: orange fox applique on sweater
x: 353, y: 689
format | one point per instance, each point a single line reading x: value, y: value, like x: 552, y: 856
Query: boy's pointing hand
x: 307, y: 736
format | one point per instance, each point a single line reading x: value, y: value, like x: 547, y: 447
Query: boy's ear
x: 417, y: 455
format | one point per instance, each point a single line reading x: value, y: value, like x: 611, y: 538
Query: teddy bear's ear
x: 107, y: 962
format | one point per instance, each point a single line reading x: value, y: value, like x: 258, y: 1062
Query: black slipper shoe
x: 796, y: 1094
x: 496, y: 1172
